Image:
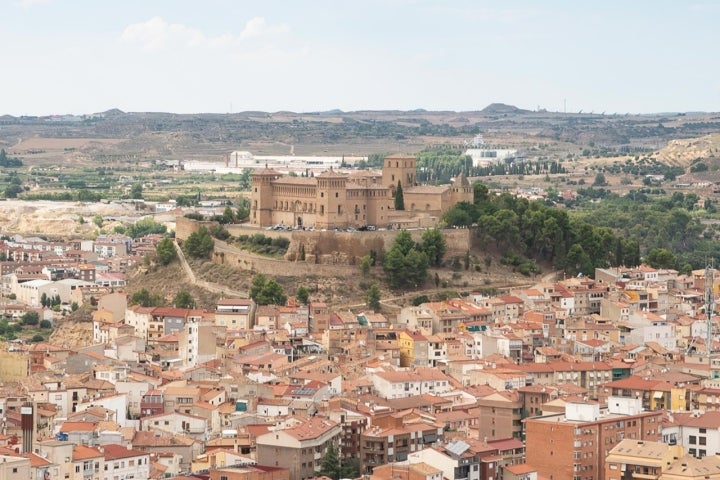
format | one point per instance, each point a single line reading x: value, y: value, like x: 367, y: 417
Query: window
x: 702, y: 440
x: 692, y: 440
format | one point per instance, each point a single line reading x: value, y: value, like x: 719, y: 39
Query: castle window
x: 337, y: 194
x: 255, y: 189
x: 339, y: 210
x: 322, y: 194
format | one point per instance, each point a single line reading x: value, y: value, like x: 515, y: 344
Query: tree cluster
x: 333, y: 467
x: 266, y: 291
x: 144, y: 298
x: 540, y: 232
x: 406, y: 262
x: 49, y: 301
x: 5, y: 161
x: 165, y: 251
x: 145, y: 226
x: 199, y: 244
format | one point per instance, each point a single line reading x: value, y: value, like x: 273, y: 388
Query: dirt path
x: 212, y: 287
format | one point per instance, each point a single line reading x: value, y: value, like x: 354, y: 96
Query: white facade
x: 440, y: 461
x: 697, y: 440
x: 124, y: 463
x: 174, y: 422
x: 139, y: 320
x: 395, y: 386
x: 116, y: 403
x: 661, y: 334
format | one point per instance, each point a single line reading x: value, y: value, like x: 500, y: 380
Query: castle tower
x: 331, y: 199
x: 399, y: 167
x: 462, y: 191
x: 261, y: 197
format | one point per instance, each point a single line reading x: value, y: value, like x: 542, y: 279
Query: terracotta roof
x: 114, y: 452
x: 708, y: 419
x: 68, y: 427
x: 520, y: 469
x: 311, y: 428
x: 38, y: 461
x: 81, y: 452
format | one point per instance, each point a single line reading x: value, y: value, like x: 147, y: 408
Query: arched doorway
x: 299, y: 222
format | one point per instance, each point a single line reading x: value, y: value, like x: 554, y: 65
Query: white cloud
x: 157, y: 35
x: 258, y: 26
x: 31, y: 3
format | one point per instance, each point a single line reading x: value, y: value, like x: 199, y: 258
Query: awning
x: 658, y: 395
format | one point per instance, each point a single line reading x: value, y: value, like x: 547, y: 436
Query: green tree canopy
x: 136, y: 191
x: 146, y: 299
x: 331, y: 465
x: 365, y: 264
x: 434, y: 245
x: 267, y: 291
x: 302, y: 295
x: 30, y: 318
x: 145, y: 226
x: 372, y: 297
x: 405, y: 264
x: 199, y: 244
x: 165, y: 251
x: 661, y: 258
x: 183, y: 299
x: 399, y: 197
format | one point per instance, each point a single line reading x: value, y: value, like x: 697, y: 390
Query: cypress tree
x: 399, y: 200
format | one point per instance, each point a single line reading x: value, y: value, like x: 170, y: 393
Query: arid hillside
x: 60, y: 219
x: 683, y: 152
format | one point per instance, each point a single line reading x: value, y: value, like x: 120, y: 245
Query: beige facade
x: 337, y: 200
x: 300, y: 448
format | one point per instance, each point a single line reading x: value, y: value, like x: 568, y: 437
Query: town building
x: 574, y: 445
x: 640, y: 459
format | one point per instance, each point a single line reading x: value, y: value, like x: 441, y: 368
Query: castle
x: 338, y: 200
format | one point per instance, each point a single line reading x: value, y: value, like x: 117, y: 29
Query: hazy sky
x: 84, y: 56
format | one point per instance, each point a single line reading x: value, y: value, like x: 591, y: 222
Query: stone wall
x: 326, y: 252
x: 186, y: 226
x: 276, y: 267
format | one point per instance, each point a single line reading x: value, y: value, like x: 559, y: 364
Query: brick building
x: 574, y: 445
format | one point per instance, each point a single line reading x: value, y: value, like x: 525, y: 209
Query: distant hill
x: 502, y: 108
x: 113, y: 112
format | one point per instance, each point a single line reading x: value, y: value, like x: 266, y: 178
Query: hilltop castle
x: 337, y: 200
